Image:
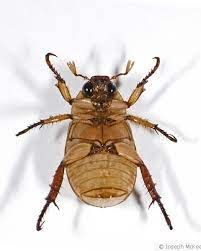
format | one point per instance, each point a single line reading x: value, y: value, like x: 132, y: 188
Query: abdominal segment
x: 102, y: 179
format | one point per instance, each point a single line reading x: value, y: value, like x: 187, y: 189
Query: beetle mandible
x: 100, y: 157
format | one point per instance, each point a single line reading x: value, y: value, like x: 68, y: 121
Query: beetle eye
x: 88, y: 89
x: 111, y: 88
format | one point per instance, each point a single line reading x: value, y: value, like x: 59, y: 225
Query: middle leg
x: 145, y: 123
x: 42, y: 122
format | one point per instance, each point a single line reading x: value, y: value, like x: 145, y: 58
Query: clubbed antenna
x: 129, y: 66
x: 73, y: 69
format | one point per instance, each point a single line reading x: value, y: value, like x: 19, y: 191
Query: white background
x: 99, y: 36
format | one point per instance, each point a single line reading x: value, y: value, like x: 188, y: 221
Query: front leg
x: 42, y: 122
x: 61, y: 85
x: 140, y: 86
x: 145, y: 123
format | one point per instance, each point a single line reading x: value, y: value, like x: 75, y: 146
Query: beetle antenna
x: 58, y: 76
x: 72, y: 67
x: 129, y: 66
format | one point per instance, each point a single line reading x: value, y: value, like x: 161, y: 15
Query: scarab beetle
x: 100, y: 157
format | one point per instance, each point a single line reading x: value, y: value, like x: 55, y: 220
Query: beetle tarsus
x: 39, y: 224
x: 169, y: 136
x: 28, y: 128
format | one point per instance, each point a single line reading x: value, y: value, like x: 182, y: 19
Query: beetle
x: 100, y: 159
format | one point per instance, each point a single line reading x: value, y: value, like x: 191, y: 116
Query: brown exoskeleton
x: 100, y: 154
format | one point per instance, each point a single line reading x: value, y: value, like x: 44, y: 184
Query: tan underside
x: 102, y: 178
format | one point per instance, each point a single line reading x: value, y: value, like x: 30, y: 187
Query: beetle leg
x: 55, y: 187
x: 64, y: 91
x: 140, y: 86
x: 152, y: 191
x: 61, y: 85
x: 42, y: 122
x: 145, y: 123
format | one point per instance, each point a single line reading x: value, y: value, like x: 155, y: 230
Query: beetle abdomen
x: 102, y: 179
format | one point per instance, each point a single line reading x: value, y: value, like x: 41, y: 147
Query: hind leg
x: 55, y: 187
x: 153, y: 192
x: 76, y: 151
x: 126, y: 149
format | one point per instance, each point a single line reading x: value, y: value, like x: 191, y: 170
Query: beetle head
x: 100, y: 89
